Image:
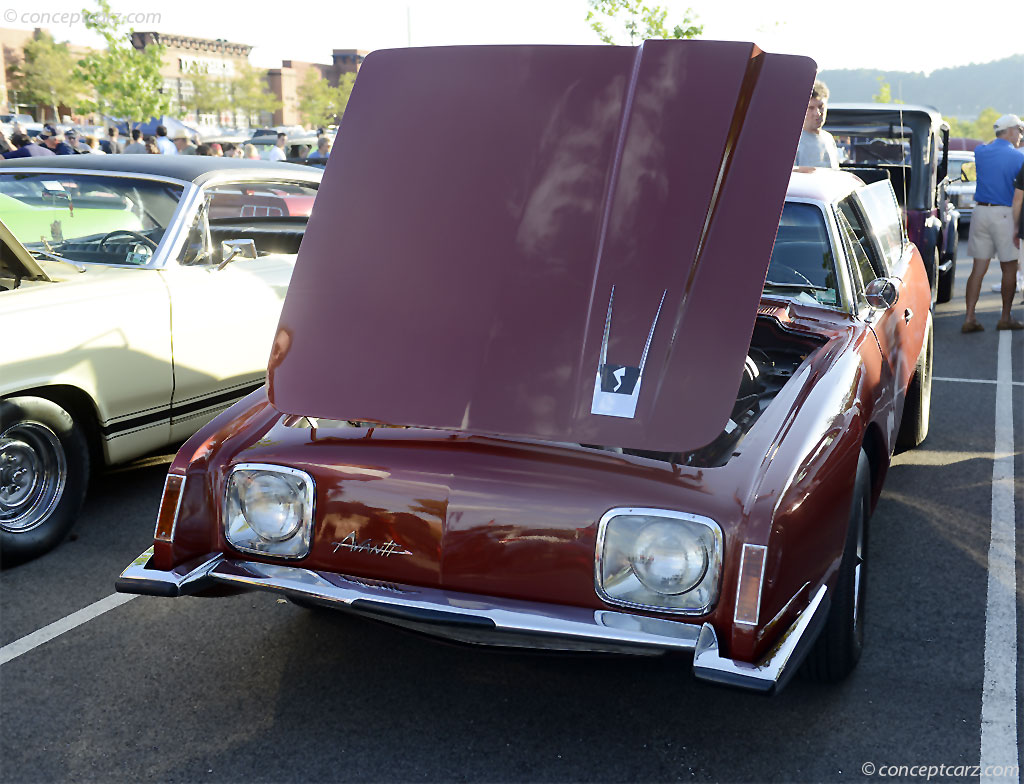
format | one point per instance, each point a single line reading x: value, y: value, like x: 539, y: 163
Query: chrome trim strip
x: 460, y: 616
x: 779, y: 664
x: 760, y: 584
x: 714, y: 570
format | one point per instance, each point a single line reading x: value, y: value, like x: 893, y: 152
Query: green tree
x: 884, y: 94
x: 983, y: 125
x: 321, y: 104
x: 637, y: 21
x: 127, y: 80
x: 209, y: 94
x: 249, y: 94
x: 978, y: 129
x: 47, y: 75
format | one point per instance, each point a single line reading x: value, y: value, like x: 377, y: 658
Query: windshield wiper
x: 797, y: 286
x: 54, y: 257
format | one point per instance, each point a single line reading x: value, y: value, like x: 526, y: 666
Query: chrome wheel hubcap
x: 33, y: 472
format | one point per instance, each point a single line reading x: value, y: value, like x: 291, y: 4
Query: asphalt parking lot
x: 253, y: 689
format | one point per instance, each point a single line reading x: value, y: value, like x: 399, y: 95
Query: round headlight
x: 271, y: 506
x: 668, y: 559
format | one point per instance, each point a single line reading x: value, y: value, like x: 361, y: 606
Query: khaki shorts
x: 991, y: 236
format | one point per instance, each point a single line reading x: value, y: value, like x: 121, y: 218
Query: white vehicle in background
x: 962, y: 184
x: 139, y: 296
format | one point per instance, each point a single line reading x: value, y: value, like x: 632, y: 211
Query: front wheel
x: 44, y: 470
x: 837, y: 650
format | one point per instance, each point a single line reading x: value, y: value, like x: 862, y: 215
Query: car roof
x: 820, y: 184
x: 190, y: 168
x: 886, y: 108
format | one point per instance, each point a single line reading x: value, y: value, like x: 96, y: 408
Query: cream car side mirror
x: 232, y: 249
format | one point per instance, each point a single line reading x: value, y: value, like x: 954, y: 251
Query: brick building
x: 184, y: 55
x: 285, y: 81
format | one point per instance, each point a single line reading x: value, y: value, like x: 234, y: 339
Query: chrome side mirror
x: 882, y: 293
x: 232, y: 249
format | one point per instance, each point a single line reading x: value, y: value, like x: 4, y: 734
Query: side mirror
x: 969, y: 172
x: 232, y: 249
x: 881, y: 293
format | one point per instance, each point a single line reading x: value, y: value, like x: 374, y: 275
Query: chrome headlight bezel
x: 243, y: 536
x: 698, y: 600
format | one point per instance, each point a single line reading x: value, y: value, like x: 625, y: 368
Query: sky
x: 883, y: 34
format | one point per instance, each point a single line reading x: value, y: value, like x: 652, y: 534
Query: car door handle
x: 907, y: 315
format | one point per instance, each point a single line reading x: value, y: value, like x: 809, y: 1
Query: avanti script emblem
x: 389, y: 547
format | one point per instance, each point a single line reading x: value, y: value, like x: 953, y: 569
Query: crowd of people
x: 53, y: 141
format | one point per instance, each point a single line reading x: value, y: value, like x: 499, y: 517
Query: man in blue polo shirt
x: 992, y: 226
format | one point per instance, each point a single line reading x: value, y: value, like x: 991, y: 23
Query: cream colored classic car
x: 139, y: 296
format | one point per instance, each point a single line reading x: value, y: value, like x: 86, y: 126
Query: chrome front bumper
x: 488, y: 620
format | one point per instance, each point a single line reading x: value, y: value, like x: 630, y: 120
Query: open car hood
x: 552, y: 242
x: 15, y: 260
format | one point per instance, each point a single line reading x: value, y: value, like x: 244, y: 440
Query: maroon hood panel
x: 488, y: 208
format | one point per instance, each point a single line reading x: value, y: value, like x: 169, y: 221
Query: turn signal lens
x: 170, y: 504
x: 748, y: 592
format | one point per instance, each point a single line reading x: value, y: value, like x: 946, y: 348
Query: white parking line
x: 14, y: 649
x: 976, y: 381
x: 999, y: 692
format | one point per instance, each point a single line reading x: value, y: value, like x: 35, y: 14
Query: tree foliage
x: 979, y: 129
x: 321, y: 104
x: 249, y: 94
x: 884, y: 94
x: 209, y: 93
x: 616, y: 20
x: 46, y: 76
x: 127, y: 80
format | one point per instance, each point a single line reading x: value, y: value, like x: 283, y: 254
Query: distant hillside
x: 956, y: 92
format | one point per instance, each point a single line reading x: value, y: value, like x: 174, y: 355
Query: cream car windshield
x: 802, y: 264
x: 87, y: 217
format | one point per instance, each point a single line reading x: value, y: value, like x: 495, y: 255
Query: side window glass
x: 885, y: 218
x: 857, y: 261
x: 197, y: 248
x: 865, y: 240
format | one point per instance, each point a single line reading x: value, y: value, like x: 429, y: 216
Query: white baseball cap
x: 1006, y: 122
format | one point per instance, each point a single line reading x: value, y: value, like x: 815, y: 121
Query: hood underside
x: 564, y: 243
x: 15, y: 260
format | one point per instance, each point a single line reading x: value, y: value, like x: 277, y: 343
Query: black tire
x: 918, y: 406
x: 44, y: 471
x: 945, y: 290
x: 838, y: 648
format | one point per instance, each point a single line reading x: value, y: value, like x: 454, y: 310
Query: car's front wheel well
x: 878, y: 460
x: 81, y: 408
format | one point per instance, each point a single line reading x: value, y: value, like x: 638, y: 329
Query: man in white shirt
x: 165, y: 145
x: 817, y: 147
x: 276, y: 153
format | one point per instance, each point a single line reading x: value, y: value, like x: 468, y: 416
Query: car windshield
x: 872, y: 150
x: 88, y: 217
x: 802, y: 265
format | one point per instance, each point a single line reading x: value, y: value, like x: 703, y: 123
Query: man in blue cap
x: 992, y: 225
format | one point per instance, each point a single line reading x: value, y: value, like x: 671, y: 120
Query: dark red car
x: 532, y: 386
